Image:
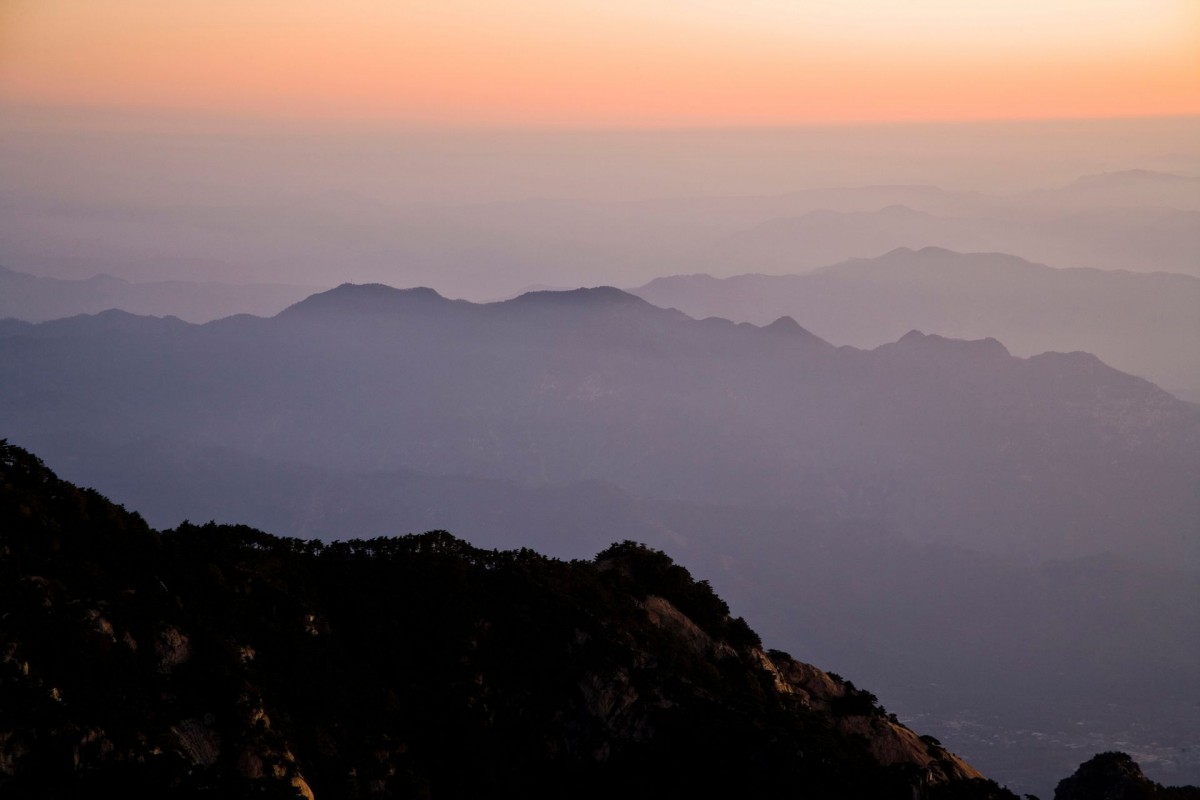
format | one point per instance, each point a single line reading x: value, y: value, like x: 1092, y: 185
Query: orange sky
x: 615, y: 63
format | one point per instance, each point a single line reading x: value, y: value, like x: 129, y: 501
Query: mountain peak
x: 788, y: 326
x: 583, y: 300
x: 582, y: 297
x: 366, y: 298
x: 1111, y: 774
x: 785, y: 324
x: 916, y: 341
x: 111, y: 321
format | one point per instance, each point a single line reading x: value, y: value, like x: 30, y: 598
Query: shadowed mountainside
x: 222, y: 660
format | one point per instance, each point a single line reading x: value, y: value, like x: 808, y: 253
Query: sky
x: 313, y: 141
x: 621, y: 63
x: 487, y: 147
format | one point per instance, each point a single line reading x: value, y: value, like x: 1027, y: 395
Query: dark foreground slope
x: 221, y: 661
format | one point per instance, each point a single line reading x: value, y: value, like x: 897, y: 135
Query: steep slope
x: 221, y: 660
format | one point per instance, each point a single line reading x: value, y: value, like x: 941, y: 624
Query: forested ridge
x: 223, y: 661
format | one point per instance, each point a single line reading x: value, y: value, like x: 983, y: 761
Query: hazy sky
x: 621, y: 62
x: 300, y: 141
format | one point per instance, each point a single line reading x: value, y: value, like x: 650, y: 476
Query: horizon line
x: 364, y: 124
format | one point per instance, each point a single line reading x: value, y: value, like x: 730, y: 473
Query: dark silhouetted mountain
x: 1140, y: 323
x: 219, y: 660
x: 941, y: 633
x: 35, y: 299
x: 373, y: 298
x: 598, y: 297
x: 777, y: 462
x: 1116, y: 776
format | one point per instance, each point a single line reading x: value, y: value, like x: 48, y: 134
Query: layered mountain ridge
x: 981, y: 504
x: 599, y: 385
x: 1137, y: 322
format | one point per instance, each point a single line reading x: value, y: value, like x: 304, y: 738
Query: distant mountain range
x: 1133, y: 220
x: 988, y: 520
x: 1137, y: 239
x: 1146, y: 324
x: 1136, y: 220
x: 34, y: 298
x: 601, y: 385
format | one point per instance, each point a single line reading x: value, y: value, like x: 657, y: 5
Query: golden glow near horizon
x: 617, y: 63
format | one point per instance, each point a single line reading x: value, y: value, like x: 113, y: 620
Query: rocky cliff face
x: 221, y: 661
